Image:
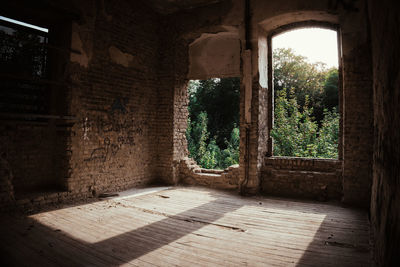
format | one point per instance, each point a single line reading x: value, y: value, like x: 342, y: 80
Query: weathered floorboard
x: 187, y: 227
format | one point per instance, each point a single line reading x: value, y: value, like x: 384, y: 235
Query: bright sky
x: 24, y: 24
x: 314, y: 43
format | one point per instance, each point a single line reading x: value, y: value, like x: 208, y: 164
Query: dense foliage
x: 213, y: 133
x: 219, y: 99
x: 306, y: 121
x: 296, y: 133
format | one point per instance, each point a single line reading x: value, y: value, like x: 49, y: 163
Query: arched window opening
x: 306, y: 93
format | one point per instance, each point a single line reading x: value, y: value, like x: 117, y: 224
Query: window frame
x: 59, y: 26
x: 270, y: 96
x: 32, y: 79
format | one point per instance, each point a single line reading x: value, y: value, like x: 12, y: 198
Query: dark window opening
x: 213, y: 122
x: 23, y: 68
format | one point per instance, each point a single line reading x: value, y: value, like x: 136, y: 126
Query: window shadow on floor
x: 338, y: 242
x: 328, y: 235
x: 60, y: 249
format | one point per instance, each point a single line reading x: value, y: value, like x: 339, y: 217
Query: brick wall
x: 6, y: 180
x: 173, y: 102
x: 356, y: 104
x: 357, y: 109
x: 27, y: 149
x: 113, y: 93
x: 354, y: 180
x: 115, y: 97
x: 305, y: 178
x: 126, y: 83
x: 165, y: 108
x: 33, y: 158
x: 183, y: 28
x: 191, y: 174
x: 385, y: 201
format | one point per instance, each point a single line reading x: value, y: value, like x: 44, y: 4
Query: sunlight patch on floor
x: 107, y: 219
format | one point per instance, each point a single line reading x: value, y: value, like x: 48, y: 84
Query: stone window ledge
x: 309, y: 164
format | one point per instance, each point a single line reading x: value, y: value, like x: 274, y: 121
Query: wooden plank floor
x: 188, y: 226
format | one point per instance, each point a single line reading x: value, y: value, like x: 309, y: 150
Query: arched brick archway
x: 334, y: 178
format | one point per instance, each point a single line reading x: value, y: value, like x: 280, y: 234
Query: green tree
x: 327, y: 142
x: 214, y: 112
x: 308, y: 79
x: 197, y: 136
x: 211, y: 159
x: 306, y: 122
x: 294, y: 131
x: 331, y: 94
x: 297, y: 134
x: 219, y: 98
x: 230, y: 155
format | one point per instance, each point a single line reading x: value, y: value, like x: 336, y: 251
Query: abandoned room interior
x: 94, y: 161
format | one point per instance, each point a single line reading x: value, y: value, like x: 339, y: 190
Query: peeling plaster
x: 214, y: 55
x: 119, y: 57
x: 83, y: 58
x: 104, y: 12
x: 291, y: 17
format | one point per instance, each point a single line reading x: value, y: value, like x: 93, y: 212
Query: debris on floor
x: 106, y: 195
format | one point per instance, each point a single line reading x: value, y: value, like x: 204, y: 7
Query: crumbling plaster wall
x: 114, y: 93
x: 385, y: 200
x: 266, y: 16
x: 184, y: 28
x: 191, y: 174
x: 214, y: 55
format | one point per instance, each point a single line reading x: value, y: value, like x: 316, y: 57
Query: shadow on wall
x: 34, y: 158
